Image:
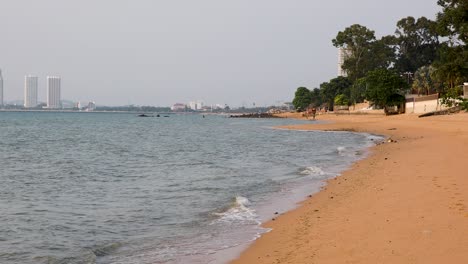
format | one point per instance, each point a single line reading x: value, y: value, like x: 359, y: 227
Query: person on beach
x: 314, y: 111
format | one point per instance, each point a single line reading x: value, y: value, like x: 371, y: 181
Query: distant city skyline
x: 160, y: 53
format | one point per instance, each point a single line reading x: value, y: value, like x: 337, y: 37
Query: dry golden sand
x: 406, y: 203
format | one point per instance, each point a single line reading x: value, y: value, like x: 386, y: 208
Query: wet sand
x: 406, y: 203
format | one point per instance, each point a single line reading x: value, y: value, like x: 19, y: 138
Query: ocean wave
x: 238, y: 212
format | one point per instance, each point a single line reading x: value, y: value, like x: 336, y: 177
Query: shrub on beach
x: 452, y: 97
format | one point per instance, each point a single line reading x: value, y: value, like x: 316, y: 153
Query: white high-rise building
x: 343, y: 53
x: 195, y: 105
x: 53, y: 92
x: 30, y: 91
x: 1, y: 88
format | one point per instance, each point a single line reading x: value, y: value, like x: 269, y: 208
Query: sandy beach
x: 406, y: 203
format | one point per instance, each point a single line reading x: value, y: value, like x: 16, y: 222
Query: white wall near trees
x: 424, y: 106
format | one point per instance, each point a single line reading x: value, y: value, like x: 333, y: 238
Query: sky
x: 154, y: 52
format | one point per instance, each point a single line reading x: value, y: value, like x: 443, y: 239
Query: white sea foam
x: 239, y: 212
x: 313, y: 171
x: 341, y: 149
x: 242, y: 201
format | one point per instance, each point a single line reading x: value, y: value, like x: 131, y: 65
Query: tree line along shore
x: 422, y: 57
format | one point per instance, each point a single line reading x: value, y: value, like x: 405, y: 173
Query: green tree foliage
x: 453, y: 20
x: 327, y: 95
x: 358, y: 91
x: 341, y: 99
x: 365, y: 52
x: 424, y: 80
x: 357, y: 40
x: 452, y: 97
x: 452, y: 66
x: 382, y: 54
x: 302, y: 98
x: 316, y: 100
x: 336, y: 86
x: 416, y: 42
x: 383, y: 85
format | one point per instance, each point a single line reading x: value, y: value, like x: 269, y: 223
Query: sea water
x: 186, y: 188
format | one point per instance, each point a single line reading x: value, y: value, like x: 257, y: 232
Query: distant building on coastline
x: 288, y: 105
x: 198, y: 105
x: 30, y: 91
x: 53, y: 92
x: 178, y: 107
x: 91, y: 106
x: 343, y: 54
x: 192, y: 105
x: 1, y: 88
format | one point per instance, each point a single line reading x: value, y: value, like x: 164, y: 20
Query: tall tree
x: 416, y: 42
x: 357, y: 40
x: 424, y: 81
x: 364, y: 51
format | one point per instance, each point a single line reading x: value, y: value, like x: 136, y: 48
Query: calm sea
x: 116, y: 188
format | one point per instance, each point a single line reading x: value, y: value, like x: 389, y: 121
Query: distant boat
x: 143, y: 115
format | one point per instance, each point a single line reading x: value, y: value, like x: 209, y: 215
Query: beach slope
x: 406, y: 203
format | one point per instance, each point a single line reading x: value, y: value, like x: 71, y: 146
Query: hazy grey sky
x: 152, y: 52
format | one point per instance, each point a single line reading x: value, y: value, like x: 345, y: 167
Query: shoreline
x: 403, y: 203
